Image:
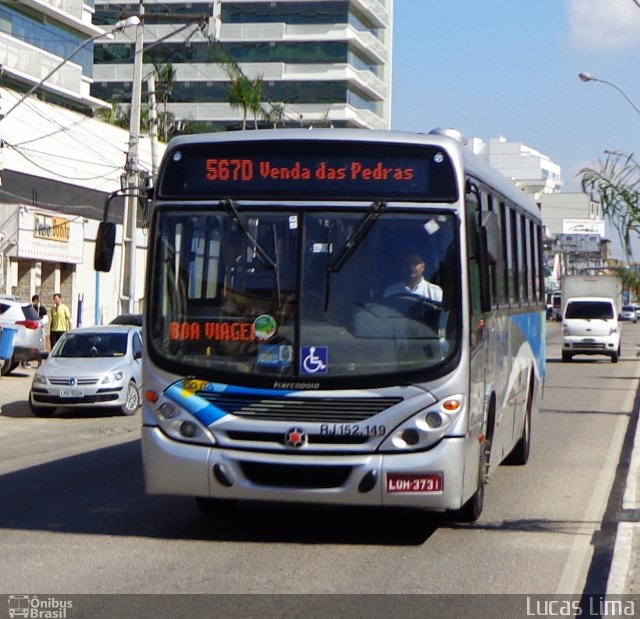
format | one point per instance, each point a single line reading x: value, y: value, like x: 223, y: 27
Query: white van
x: 590, y: 327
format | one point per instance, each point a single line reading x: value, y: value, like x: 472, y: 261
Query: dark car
x: 128, y: 319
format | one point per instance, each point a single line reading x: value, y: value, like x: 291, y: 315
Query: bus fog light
x: 434, y: 420
x: 166, y: 410
x: 411, y: 437
x: 188, y: 429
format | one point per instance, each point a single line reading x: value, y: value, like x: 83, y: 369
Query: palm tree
x: 243, y: 92
x: 617, y: 183
x: 165, y: 81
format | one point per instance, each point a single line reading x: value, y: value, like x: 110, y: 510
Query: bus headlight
x: 179, y: 424
x: 425, y: 428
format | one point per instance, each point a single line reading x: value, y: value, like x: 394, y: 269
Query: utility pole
x: 132, y: 180
x: 153, y: 122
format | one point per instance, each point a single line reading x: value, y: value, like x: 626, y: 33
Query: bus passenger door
x: 478, y: 330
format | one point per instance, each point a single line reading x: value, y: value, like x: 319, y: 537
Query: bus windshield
x: 305, y: 293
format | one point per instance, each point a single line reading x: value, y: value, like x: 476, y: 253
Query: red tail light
x: 29, y: 324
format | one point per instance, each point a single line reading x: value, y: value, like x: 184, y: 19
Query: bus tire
x: 472, y: 509
x: 519, y: 455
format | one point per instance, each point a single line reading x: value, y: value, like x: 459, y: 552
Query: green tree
x: 246, y: 94
x: 616, y: 181
x: 119, y: 114
x: 165, y: 82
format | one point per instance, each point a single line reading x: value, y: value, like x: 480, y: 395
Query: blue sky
x: 510, y: 67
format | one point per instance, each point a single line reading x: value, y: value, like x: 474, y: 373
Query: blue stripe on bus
x: 237, y: 390
x: 533, y: 327
x: 204, y: 411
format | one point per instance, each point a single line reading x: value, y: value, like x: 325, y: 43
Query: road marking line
x: 621, y: 561
x: 575, y: 571
x: 630, y: 498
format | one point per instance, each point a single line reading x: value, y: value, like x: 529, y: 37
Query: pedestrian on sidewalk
x: 41, y: 310
x: 60, y: 319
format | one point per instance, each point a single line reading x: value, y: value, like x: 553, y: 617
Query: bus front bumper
x: 430, y: 480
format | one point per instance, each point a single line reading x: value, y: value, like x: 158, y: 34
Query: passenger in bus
x: 413, y: 282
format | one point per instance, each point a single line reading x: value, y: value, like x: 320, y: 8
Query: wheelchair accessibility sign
x: 314, y: 359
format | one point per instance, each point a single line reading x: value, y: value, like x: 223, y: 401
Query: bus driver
x: 413, y: 266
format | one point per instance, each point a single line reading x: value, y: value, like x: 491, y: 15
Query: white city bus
x: 288, y: 358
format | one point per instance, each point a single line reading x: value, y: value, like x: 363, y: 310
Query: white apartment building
x: 321, y: 62
x: 531, y: 170
x: 36, y: 35
x: 56, y: 163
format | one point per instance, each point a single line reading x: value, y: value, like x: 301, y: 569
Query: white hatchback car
x: 29, y: 342
x: 91, y: 366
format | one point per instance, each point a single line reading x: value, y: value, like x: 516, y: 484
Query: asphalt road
x: 74, y: 517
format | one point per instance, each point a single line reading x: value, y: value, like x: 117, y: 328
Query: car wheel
x: 614, y: 356
x: 132, y: 402
x: 566, y: 356
x: 8, y: 366
x: 41, y: 411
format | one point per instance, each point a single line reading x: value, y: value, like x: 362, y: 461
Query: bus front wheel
x: 472, y: 509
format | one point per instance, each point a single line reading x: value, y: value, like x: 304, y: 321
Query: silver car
x: 30, y: 343
x: 91, y: 366
x: 628, y: 312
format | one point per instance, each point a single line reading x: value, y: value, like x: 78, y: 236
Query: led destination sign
x: 308, y: 169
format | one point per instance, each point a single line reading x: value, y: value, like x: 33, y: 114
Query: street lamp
x: 587, y: 77
x: 134, y: 20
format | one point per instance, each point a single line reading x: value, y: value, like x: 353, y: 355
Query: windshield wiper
x: 266, y: 260
x: 264, y: 257
x: 353, y: 242
x: 359, y: 234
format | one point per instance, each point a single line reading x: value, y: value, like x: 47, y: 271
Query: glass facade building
x: 36, y: 37
x: 319, y: 62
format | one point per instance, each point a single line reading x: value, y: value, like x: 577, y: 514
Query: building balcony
x: 304, y: 115
x: 368, y: 45
x: 74, y: 14
x: 374, y: 11
x: 30, y: 64
x: 365, y: 82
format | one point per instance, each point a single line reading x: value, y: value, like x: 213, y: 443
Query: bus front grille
x: 278, y: 438
x: 295, y: 476
x: 321, y: 410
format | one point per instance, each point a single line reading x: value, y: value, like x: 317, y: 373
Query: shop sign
x: 51, y: 228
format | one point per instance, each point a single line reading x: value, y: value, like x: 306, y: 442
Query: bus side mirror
x: 105, y: 245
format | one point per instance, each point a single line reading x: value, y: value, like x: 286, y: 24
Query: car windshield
x: 91, y: 345
x: 323, y: 294
x: 590, y: 310
x: 628, y: 308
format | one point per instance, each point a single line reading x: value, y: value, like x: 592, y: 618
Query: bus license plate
x: 404, y: 482
x: 71, y: 393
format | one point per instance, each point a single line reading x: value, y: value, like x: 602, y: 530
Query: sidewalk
x: 624, y: 575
